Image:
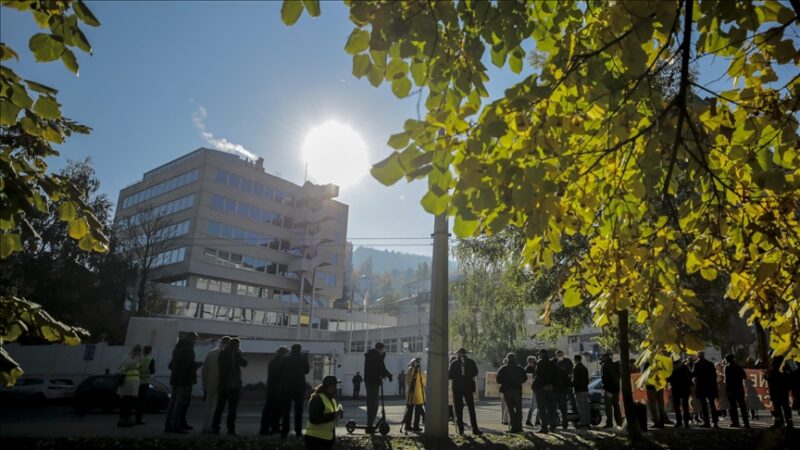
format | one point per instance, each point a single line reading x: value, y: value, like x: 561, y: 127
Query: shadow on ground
x: 595, y: 439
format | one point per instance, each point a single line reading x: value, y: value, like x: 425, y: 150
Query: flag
x: 350, y: 304
x: 366, y: 298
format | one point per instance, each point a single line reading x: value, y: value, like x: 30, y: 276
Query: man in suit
x: 463, y: 371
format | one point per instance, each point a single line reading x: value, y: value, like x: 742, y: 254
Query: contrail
x: 199, y: 117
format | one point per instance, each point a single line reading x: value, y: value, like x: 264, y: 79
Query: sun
x: 335, y: 153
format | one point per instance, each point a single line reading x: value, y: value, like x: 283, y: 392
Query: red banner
x: 756, y: 390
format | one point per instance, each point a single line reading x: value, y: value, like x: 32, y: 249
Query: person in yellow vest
x: 323, y: 410
x: 415, y: 399
x: 147, y: 367
x: 129, y: 388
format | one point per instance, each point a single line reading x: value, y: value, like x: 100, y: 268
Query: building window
x: 169, y: 257
x: 179, y: 283
x: 413, y: 344
x: 357, y: 347
x: 161, y: 188
x: 391, y: 345
x: 162, y: 210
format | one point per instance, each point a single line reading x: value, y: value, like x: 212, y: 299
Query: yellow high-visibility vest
x: 324, y: 430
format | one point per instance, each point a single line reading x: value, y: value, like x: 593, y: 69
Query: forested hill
x: 387, y: 260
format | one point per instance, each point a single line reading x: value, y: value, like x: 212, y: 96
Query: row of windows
x: 250, y: 237
x: 250, y: 290
x: 159, y: 211
x: 327, y: 278
x: 412, y: 344
x: 238, y: 261
x: 210, y: 284
x: 169, y: 257
x: 161, y: 188
x: 198, y: 310
x: 252, y: 187
x: 246, y: 210
x: 162, y: 234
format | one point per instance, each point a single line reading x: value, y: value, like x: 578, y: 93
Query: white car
x: 40, y: 388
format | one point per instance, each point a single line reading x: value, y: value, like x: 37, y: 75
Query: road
x: 61, y: 421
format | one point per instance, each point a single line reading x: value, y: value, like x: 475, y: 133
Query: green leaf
x: 465, y: 228
x: 434, y: 204
x: 47, y: 108
x: 7, y: 53
x: 497, y: 128
x: 389, y: 170
x: 77, y: 228
x: 572, y: 296
x: 418, y: 71
x: 83, y: 13
x: 361, y: 64
x: 45, y: 47
x: 709, y: 273
x: 20, y: 97
x: 9, y: 243
x: 40, y: 88
x: 398, y: 141
x: 69, y: 60
x: 67, y: 211
x: 401, y: 87
x: 290, y: 11
x: 357, y: 42
x: 8, y: 112
x: 515, y: 60
x: 312, y: 6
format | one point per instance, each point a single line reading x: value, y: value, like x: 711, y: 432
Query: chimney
x: 260, y: 163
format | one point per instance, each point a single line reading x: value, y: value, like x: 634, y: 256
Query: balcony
x: 317, y: 191
x: 313, y: 217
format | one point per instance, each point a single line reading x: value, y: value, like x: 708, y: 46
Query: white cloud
x: 199, y: 117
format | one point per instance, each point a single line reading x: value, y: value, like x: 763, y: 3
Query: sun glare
x: 336, y: 154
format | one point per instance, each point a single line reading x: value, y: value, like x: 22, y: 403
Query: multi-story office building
x: 237, y: 248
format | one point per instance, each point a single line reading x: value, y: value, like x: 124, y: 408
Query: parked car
x: 39, y: 389
x: 99, y: 391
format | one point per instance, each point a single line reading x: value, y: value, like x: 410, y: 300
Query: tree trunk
x: 634, y: 431
x: 763, y: 345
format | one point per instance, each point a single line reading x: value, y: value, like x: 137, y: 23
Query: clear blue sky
x: 263, y: 85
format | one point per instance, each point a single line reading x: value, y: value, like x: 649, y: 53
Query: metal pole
x: 313, y: 292
x: 436, y: 420
x: 300, y: 309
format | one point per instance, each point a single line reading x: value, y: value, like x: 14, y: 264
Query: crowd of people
x: 700, y: 391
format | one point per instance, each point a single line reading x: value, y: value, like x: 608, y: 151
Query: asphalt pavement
x: 62, y: 421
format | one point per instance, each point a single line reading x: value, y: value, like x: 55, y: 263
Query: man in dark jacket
x: 463, y: 371
x: 293, y: 389
x: 705, y: 378
x: 511, y: 377
x: 374, y: 373
x: 183, y: 374
x: 681, y: 386
x: 357, y: 380
x: 580, y: 383
x: 271, y: 414
x: 734, y: 385
x: 610, y: 377
x: 543, y: 388
x: 231, y: 362
x: 563, y: 386
x: 779, y: 387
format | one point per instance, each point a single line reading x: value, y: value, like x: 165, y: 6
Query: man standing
x: 271, y: 414
x: 681, y: 386
x: 293, y: 389
x: 580, y: 382
x: 357, y: 380
x: 563, y: 386
x: 543, y: 388
x: 147, y: 367
x: 230, y: 385
x: 705, y: 376
x: 211, y: 382
x: 374, y: 373
x: 183, y: 375
x: 463, y: 371
x: 531, y: 369
x: 610, y: 376
x: 734, y: 383
x: 656, y: 382
x: 511, y: 377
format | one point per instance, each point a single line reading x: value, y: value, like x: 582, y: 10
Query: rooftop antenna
x: 305, y: 174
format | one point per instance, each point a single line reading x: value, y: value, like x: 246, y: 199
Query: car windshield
x: 596, y: 384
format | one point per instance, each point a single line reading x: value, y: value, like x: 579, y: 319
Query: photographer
x: 230, y: 385
x: 415, y: 400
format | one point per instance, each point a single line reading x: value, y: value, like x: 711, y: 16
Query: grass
x: 666, y: 439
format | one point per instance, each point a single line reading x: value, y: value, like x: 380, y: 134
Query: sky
x: 167, y: 78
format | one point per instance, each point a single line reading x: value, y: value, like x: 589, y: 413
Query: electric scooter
x: 381, y: 425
